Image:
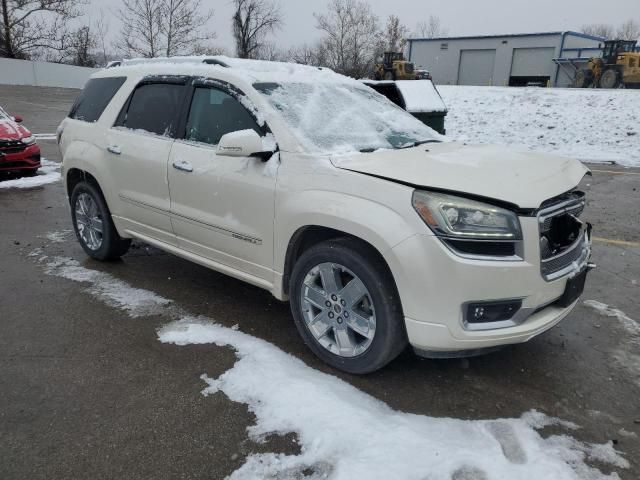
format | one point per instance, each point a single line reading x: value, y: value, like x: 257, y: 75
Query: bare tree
x: 271, y: 52
x: 432, y: 28
x: 81, y: 49
x: 599, y: 30
x: 151, y: 28
x: 32, y: 25
x: 629, y: 30
x: 183, y: 25
x: 309, y: 55
x: 351, y: 34
x: 102, y: 28
x: 252, y: 21
x: 140, y: 32
x: 394, y: 36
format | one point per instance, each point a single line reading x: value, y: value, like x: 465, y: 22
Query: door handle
x: 183, y: 166
x: 115, y: 149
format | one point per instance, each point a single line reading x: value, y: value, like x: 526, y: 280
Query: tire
x: 610, y: 79
x: 28, y: 173
x: 584, y: 78
x: 93, y: 225
x: 389, y: 76
x: 372, y: 306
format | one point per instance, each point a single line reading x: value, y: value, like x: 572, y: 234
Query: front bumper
x: 27, y: 159
x: 435, y: 284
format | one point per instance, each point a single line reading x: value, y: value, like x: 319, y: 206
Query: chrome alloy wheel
x: 88, y: 221
x: 338, y: 309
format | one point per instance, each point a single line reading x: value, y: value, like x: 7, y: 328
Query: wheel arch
x: 75, y: 175
x: 307, y: 236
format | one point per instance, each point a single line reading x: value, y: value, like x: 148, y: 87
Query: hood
x: 524, y: 179
x: 10, y: 130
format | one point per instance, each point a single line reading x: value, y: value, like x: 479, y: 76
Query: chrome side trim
x: 215, y: 228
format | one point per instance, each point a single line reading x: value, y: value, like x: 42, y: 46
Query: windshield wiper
x: 418, y: 143
x: 367, y: 150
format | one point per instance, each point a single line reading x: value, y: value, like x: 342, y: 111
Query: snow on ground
x: 344, y: 433
x: 48, y: 173
x: 58, y: 237
x: 628, y: 323
x: 45, y: 136
x: 589, y: 124
x: 627, y: 354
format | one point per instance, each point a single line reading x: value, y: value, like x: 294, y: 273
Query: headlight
x: 457, y: 217
x: 29, y: 140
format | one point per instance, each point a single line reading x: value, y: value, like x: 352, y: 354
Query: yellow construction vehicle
x: 394, y: 67
x: 619, y: 66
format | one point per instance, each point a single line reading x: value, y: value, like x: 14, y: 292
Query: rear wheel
x: 93, y: 225
x: 346, y: 306
x: 610, y: 79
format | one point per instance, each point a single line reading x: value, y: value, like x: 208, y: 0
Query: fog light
x: 496, y: 311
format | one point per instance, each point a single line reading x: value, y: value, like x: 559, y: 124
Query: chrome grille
x: 553, y: 265
x: 11, y: 146
x: 563, y: 240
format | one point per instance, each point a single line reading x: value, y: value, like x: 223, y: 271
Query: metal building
x: 516, y: 60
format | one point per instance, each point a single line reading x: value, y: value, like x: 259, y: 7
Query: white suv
x: 314, y: 187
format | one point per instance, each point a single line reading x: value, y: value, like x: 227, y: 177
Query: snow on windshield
x: 4, y: 115
x: 332, y: 117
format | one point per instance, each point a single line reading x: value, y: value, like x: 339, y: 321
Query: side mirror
x: 243, y: 143
x: 17, y: 118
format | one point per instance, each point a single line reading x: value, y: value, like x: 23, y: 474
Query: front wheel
x: 346, y: 306
x: 610, y: 79
x: 93, y: 225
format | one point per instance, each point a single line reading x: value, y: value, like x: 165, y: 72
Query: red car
x: 18, y: 149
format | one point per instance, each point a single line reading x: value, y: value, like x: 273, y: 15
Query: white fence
x: 42, y: 74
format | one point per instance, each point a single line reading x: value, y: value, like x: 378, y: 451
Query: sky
x: 460, y: 17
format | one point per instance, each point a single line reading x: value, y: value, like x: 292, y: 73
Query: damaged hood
x: 525, y: 179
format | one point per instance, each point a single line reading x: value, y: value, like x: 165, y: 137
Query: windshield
x: 4, y: 115
x: 343, y: 117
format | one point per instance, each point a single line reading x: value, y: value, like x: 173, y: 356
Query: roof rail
x: 215, y: 61
x: 184, y: 59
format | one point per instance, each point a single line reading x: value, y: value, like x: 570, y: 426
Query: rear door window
x: 154, y: 108
x: 95, y: 97
x: 214, y: 113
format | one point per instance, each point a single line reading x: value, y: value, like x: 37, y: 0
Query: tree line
x: 629, y: 30
x: 352, y: 35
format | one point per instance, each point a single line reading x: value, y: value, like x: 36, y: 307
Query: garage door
x: 532, y: 62
x: 476, y: 67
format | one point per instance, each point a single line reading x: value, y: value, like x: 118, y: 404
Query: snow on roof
x: 257, y: 70
x: 419, y: 95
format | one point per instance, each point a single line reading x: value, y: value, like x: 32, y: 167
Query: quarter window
x: 214, y: 113
x: 154, y: 108
x: 95, y: 97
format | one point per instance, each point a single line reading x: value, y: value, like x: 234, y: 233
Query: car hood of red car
x: 10, y: 130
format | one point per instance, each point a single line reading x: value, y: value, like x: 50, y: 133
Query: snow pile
x: 135, y: 301
x: 48, y: 173
x: 348, y: 434
x: 591, y: 125
x: 343, y: 432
